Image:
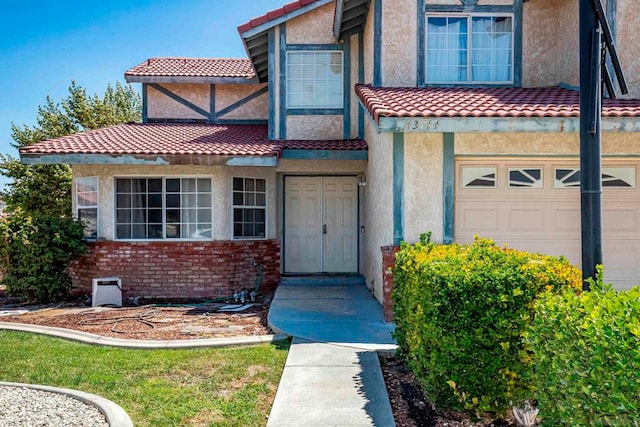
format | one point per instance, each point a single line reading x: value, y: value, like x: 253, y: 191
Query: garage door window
x: 479, y: 177
x: 525, y: 178
x: 612, y: 177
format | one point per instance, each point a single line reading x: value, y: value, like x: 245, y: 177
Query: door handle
x: 324, y: 228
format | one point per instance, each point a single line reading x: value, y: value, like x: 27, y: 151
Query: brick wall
x: 388, y: 263
x: 179, y: 269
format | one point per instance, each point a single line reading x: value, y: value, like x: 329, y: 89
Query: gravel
x: 26, y: 407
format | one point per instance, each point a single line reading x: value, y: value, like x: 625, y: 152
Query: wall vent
x: 107, y: 291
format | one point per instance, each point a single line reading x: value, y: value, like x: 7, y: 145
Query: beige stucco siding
x: 423, y: 186
x: 378, y: 206
x: 221, y: 177
x: 315, y: 27
x: 318, y: 167
x: 541, y: 144
x: 628, y: 46
x: 160, y: 106
x: 494, y: 2
x: 314, y: 127
x: 538, y: 45
x: 257, y: 108
x: 399, y: 43
x: 368, y: 46
x: 353, y: 99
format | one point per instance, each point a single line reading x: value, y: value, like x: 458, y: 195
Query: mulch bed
x: 411, y: 408
x: 152, y: 322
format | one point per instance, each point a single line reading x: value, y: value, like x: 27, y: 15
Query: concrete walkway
x: 332, y: 376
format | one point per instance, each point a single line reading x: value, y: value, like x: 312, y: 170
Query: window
x: 469, y: 49
x: 615, y: 177
x: 87, y: 205
x: 249, y: 208
x: 314, y: 79
x: 479, y: 177
x: 163, y: 208
x: 525, y: 178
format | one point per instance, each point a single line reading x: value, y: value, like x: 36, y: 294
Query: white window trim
x: 266, y: 210
x: 469, y: 16
x: 164, y: 207
x: 286, y: 71
x: 96, y: 207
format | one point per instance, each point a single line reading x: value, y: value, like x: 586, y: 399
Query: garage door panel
x: 566, y: 220
x: 527, y: 220
x: 616, y: 221
x: 482, y: 220
x: 548, y: 220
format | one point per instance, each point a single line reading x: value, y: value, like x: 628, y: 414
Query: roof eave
x: 500, y: 124
x: 147, y: 159
x: 191, y: 79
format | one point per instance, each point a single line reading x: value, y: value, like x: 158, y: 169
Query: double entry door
x: 321, y: 224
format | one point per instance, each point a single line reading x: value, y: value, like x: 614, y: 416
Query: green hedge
x: 587, y: 357
x: 35, y: 253
x: 461, y: 311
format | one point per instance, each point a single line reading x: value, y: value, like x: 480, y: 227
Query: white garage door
x: 534, y: 205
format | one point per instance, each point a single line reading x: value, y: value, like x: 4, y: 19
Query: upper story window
x: 469, y: 49
x: 314, y: 79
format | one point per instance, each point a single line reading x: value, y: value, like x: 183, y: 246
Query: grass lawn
x: 202, y: 387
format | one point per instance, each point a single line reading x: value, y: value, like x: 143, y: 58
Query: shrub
x: 461, y: 311
x: 35, y: 253
x: 587, y: 356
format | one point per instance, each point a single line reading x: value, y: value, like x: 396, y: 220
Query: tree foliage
x: 39, y: 236
x: 46, y: 189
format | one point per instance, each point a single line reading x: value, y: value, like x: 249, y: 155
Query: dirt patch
x: 411, y: 408
x: 153, y: 322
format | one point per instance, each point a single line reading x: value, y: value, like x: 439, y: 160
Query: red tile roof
x: 180, y: 139
x: 194, y: 67
x: 274, y: 14
x: 483, y: 102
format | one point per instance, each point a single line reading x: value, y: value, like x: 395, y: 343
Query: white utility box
x: 107, y: 291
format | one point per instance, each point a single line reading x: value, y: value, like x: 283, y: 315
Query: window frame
x: 164, y: 178
x: 96, y: 207
x: 470, y: 16
x: 265, y: 207
x: 315, y: 106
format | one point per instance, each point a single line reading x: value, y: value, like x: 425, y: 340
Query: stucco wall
x: 368, y: 46
x: 314, y: 127
x: 423, y: 186
x: 541, y: 143
x: 160, y: 106
x: 295, y: 166
x: 399, y: 43
x: 257, y: 108
x: 494, y: 2
x: 378, y: 206
x: 221, y: 181
x: 629, y: 43
x: 313, y: 27
x: 353, y: 132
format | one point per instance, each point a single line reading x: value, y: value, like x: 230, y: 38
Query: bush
x: 587, y: 357
x: 461, y: 311
x: 35, y: 253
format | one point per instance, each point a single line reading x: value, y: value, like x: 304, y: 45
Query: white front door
x: 321, y: 225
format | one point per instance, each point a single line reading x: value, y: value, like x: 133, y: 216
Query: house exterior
x: 354, y: 125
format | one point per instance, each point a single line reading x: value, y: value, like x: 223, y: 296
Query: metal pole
x: 590, y: 140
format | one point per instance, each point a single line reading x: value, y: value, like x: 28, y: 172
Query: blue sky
x: 44, y: 45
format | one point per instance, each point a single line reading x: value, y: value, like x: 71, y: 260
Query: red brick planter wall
x: 388, y: 263
x: 179, y: 269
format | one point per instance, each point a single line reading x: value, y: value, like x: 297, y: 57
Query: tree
x: 39, y: 236
x: 46, y: 189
